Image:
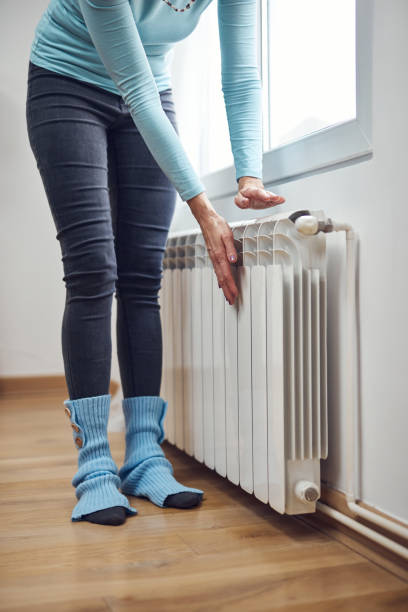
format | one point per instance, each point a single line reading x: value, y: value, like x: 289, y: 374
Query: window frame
x: 327, y: 149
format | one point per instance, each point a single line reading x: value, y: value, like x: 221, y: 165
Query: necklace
x: 179, y: 10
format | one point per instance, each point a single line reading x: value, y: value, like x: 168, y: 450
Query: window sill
x: 332, y: 147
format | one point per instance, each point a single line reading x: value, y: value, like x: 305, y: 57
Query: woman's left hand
x: 252, y: 194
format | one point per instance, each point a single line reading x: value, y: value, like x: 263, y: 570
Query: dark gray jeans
x: 112, y: 206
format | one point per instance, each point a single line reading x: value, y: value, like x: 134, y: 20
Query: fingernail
x: 232, y: 258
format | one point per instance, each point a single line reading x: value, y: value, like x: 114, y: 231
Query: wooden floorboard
x: 231, y: 553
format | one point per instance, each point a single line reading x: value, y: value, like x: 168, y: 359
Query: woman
x: 99, y: 97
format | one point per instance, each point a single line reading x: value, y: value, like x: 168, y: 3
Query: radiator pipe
x: 309, y: 225
x: 373, y: 535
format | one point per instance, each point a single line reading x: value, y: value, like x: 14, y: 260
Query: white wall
x: 370, y: 195
x: 32, y: 289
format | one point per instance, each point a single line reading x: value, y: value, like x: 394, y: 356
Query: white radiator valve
x: 309, y: 225
x: 307, y: 491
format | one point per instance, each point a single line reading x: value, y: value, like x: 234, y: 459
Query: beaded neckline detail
x: 179, y: 10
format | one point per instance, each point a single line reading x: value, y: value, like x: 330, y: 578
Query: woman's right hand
x: 219, y: 240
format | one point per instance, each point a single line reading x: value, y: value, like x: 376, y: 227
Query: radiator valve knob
x: 307, y: 225
x: 307, y: 491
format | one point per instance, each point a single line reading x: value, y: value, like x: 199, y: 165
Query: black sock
x: 109, y: 516
x: 185, y: 499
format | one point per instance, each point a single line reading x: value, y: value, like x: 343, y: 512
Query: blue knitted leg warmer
x: 96, y: 481
x: 146, y: 471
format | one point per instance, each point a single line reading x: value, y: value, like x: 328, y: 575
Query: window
x: 314, y: 59
x: 310, y: 62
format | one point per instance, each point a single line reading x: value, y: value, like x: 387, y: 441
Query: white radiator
x: 247, y: 384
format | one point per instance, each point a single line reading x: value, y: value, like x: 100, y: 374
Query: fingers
x: 241, y: 201
x: 224, y: 275
x: 221, y: 256
x: 260, y: 194
x: 228, y: 239
x: 219, y: 240
x: 256, y: 197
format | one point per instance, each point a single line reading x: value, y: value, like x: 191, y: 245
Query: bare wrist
x: 249, y: 180
x: 201, y: 206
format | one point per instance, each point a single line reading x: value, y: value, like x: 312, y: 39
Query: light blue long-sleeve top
x: 124, y: 46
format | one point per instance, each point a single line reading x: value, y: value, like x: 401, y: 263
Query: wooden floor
x: 232, y: 553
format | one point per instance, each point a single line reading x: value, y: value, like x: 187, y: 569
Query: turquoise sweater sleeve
x: 241, y: 83
x: 115, y: 36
